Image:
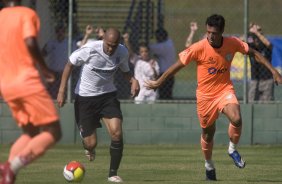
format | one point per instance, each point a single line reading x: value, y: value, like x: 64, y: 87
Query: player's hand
x: 277, y: 78
x: 150, y: 84
x: 135, y: 88
x: 61, y: 98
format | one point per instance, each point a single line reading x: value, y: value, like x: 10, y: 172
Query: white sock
x: 232, y: 147
x: 209, y: 165
x: 16, y: 164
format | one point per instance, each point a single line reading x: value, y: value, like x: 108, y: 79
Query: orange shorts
x: 37, y: 109
x: 209, y: 109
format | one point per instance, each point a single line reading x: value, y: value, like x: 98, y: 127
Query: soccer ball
x: 74, y: 171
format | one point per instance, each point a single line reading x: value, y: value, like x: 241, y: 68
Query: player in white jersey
x: 96, y: 94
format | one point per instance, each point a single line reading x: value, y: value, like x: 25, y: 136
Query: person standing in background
x: 56, y: 53
x: 193, y: 29
x: 165, y: 53
x: 89, y: 29
x: 261, y: 87
x: 145, y: 69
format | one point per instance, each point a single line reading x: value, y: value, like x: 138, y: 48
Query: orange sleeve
x: 31, y: 25
x: 243, y: 47
x: 189, y: 54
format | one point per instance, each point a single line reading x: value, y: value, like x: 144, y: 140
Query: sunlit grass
x: 157, y: 164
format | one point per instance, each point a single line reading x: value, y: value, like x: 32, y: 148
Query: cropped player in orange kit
x: 215, y: 92
x: 22, y: 89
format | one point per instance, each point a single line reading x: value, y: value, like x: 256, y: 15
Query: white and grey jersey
x: 97, y: 68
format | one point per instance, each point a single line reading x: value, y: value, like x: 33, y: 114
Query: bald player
x: 215, y: 91
x: 96, y: 96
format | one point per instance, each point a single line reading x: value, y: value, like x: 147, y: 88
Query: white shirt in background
x: 143, y: 71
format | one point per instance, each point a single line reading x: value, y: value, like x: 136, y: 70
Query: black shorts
x: 89, y: 111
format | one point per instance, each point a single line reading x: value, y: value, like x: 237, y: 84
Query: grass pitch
x: 157, y: 164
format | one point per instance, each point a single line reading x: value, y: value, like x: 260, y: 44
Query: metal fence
x: 141, y: 18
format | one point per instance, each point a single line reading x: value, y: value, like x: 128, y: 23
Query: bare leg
x: 89, y: 144
x: 207, y: 148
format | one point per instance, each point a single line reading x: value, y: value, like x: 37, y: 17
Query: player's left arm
x: 262, y: 60
x: 171, y: 71
x: 135, y: 87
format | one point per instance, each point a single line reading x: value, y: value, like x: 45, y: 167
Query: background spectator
x: 145, y: 69
x: 164, y: 51
x: 99, y: 31
x: 193, y: 29
x: 56, y: 51
x: 261, y: 86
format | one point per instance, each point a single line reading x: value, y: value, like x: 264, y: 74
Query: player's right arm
x: 63, y: 86
x: 171, y: 71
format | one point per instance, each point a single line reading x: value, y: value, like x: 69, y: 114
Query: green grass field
x: 157, y: 164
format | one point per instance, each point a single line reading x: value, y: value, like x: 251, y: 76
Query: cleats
x: 90, y: 155
x: 115, y: 179
x: 210, y: 175
x: 238, y: 161
x: 6, y: 174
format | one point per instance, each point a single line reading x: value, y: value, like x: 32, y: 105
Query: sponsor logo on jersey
x: 213, y: 70
x: 211, y: 60
x: 104, y: 71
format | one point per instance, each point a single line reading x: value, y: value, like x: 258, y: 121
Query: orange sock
x: 207, y: 148
x: 234, y: 133
x: 18, y: 146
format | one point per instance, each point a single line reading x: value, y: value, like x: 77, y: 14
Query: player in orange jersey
x: 215, y: 92
x: 22, y: 89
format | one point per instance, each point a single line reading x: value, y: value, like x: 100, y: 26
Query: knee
x: 89, y: 143
x: 208, y: 133
x: 116, y: 135
x: 236, y: 120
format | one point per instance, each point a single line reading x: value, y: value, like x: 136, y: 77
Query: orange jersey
x: 213, y: 65
x: 18, y: 74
